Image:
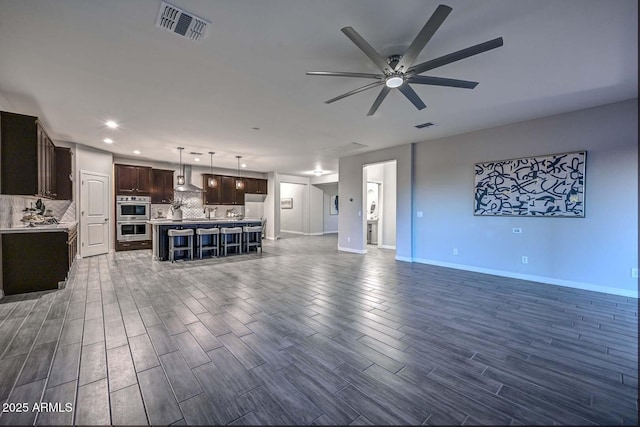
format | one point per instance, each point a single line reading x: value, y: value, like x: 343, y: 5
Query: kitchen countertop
x: 165, y: 221
x: 62, y: 226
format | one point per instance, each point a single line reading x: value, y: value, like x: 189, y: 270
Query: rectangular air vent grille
x: 425, y: 125
x: 183, y: 23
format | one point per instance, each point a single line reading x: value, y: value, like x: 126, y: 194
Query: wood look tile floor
x: 303, y: 334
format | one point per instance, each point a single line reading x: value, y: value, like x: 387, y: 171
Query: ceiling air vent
x: 425, y: 125
x: 183, y: 23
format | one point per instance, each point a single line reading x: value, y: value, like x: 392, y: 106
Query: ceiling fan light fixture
x: 394, y: 81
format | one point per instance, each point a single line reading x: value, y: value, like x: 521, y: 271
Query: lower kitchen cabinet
x: 36, y: 261
x: 133, y: 245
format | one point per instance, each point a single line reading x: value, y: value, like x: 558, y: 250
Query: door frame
x: 79, y: 211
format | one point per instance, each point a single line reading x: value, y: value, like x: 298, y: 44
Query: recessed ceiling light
x: 136, y: 151
x: 197, y: 159
x: 108, y: 141
x: 111, y: 124
x: 318, y: 172
x: 243, y: 165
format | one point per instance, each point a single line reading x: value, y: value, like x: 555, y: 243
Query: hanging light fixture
x: 181, y: 170
x: 212, y: 182
x: 239, y: 181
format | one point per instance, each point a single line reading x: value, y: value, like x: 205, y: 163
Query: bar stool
x: 236, y: 238
x: 175, y: 235
x: 252, y: 237
x: 214, y: 246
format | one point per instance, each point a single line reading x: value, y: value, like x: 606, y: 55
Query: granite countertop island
x: 160, y: 227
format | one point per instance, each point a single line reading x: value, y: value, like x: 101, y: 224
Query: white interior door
x: 94, y: 213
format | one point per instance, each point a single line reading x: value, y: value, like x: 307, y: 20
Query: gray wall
x: 351, y: 227
x: 294, y: 220
x: 436, y: 177
x: 330, y: 222
x: 596, y: 252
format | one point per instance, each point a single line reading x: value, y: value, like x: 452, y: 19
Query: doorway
x: 94, y: 213
x: 379, y: 205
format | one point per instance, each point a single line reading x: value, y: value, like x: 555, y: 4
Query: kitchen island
x: 160, y: 227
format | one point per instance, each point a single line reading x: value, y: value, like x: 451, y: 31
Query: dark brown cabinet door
x: 162, y: 188
x: 227, y: 190
x: 211, y: 196
x: 133, y: 180
x: 126, y: 179
x: 256, y: 186
x: 238, y: 198
x: 143, y: 175
x: 64, y: 185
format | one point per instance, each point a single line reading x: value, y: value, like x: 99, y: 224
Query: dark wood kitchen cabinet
x: 211, y: 196
x: 229, y: 194
x: 64, y: 170
x: 256, y: 186
x: 27, y: 157
x: 36, y: 261
x: 133, y: 180
x: 162, y: 187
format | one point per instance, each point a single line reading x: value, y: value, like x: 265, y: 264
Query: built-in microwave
x: 133, y: 208
x: 133, y: 231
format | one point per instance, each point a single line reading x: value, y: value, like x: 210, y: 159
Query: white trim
x: 388, y: 247
x: 542, y: 279
x: 404, y: 258
x: 330, y: 232
x: 300, y: 232
x: 353, y: 251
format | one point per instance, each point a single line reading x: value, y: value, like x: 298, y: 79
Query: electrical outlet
x: 634, y: 273
x: 517, y: 230
x: 525, y: 260
x: 455, y: 251
x: 419, y: 214
x: 359, y: 213
x: 348, y: 239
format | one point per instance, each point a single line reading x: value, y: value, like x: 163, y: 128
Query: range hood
x: 187, y: 186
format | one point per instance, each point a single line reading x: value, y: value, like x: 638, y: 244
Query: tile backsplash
x: 193, y: 207
x: 12, y: 209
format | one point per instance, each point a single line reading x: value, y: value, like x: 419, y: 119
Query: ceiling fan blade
x: 341, y: 74
x: 423, y: 37
x: 366, y: 48
x: 439, y: 81
x: 353, y: 92
x: 457, y: 56
x: 412, y: 96
x: 381, y: 96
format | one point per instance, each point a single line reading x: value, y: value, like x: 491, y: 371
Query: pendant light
x: 212, y: 182
x: 239, y: 181
x: 181, y: 170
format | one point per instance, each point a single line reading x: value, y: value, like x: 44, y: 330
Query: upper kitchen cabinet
x: 211, y: 196
x: 133, y: 180
x: 162, y: 189
x: 64, y: 171
x: 256, y: 186
x: 27, y: 157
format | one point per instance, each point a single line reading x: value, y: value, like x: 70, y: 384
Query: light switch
x: 419, y: 213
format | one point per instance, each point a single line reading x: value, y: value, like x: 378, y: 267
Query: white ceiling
x: 76, y: 63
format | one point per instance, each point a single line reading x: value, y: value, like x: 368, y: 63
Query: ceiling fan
x: 398, y: 71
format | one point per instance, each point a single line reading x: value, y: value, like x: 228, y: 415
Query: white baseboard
x: 331, y: 232
x: 353, y: 251
x: 292, y: 232
x: 542, y: 279
x: 388, y: 247
x: 404, y: 258
x: 314, y: 234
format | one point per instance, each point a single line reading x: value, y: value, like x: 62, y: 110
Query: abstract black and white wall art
x: 551, y: 185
